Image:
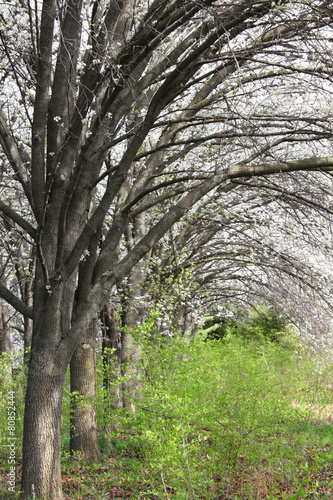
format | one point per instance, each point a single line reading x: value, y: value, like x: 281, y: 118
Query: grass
x: 217, y: 421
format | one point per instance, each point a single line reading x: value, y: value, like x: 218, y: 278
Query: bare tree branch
x: 15, y: 217
x: 15, y: 302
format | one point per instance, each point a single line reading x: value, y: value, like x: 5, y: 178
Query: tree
x: 271, y: 243
x: 119, y: 106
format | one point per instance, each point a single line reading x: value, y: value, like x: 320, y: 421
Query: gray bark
x: 5, y: 344
x: 133, y: 317
x: 42, y: 419
x: 84, y: 434
x: 42, y: 430
x: 28, y: 323
x: 111, y: 360
x: 83, y: 376
x: 5, y: 341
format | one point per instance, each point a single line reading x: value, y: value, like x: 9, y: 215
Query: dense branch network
x: 219, y: 91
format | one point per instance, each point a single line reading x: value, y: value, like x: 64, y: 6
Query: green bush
x: 213, y: 414
x: 263, y: 324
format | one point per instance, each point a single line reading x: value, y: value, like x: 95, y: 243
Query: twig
x: 164, y: 486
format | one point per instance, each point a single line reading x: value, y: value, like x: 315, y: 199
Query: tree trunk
x: 134, y: 316
x: 28, y: 323
x: 190, y: 326
x: 5, y: 343
x: 84, y: 434
x: 131, y: 349
x: 42, y: 429
x: 50, y: 356
x: 111, y: 360
x: 131, y: 355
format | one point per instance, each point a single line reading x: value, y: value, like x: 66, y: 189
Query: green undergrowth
x: 232, y: 420
x: 216, y: 420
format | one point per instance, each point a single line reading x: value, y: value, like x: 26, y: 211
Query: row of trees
x: 149, y: 147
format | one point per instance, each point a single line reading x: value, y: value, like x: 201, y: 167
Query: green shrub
x: 213, y: 414
x: 262, y: 324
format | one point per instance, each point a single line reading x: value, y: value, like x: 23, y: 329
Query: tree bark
x: 131, y: 349
x: 28, y: 323
x: 83, y: 376
x: 111, y: 360
x: 131, y: 355
x: 84, y: 434
x: 5, y: 343
x: 133, y: 317
x: 42, y: 428
x: 190, y: 326
x: 50, y: 356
